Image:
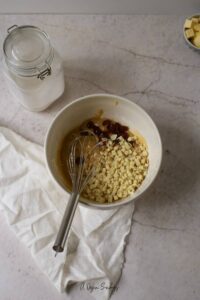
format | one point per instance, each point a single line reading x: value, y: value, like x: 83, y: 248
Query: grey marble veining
x: 145, y: 59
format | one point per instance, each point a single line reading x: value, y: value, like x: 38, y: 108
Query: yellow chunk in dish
x: 197, y: 27
x: 188, y: 23
x: 189, y: 33
x: 196, y: 40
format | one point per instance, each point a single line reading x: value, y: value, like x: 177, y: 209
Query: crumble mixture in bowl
x: 130, y: 158
x: 122, y: 160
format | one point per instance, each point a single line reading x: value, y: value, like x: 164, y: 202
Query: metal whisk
x: 81, y: 160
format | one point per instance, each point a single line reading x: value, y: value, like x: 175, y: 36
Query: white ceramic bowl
x: 114, y: 107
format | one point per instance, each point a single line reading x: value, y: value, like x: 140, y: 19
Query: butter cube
x: 196, y: 40
x: 195, y: 20
x: 196, y: 27
x: 189, y: 33
x: 188, y: 23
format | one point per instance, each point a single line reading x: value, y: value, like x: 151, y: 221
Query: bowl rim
x: 124, y: 201
x: 186, y: 39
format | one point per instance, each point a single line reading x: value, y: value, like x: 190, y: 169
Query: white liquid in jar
x: 36, y: 94
x: 29, y: 55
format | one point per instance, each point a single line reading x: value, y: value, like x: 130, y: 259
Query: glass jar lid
x: 28, y: 51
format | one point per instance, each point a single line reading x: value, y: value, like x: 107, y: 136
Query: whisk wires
x: 82, y: 159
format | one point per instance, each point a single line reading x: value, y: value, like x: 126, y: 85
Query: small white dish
x: 114, y: 107
x: 185, y: 37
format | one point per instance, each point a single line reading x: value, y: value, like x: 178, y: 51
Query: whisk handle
x: 66, y: 223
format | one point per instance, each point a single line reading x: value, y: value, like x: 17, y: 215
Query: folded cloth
x: 34, y: 205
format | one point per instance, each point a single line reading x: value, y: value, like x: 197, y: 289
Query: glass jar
x: 33, y: 69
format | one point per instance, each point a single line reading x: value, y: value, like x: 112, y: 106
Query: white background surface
x: 145, y: 59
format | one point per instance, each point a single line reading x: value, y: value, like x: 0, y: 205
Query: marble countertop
x: 145, y: 59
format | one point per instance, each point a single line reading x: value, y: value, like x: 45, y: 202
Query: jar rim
x: 27, y: 50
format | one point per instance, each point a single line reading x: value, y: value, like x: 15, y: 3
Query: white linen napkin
x: 34, y: 205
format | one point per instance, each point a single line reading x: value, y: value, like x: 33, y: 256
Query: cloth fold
x: 33, y: 206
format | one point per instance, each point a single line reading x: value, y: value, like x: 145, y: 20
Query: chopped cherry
x: 97, y: 130
x: 90, y: 125
x: 106, y: 122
